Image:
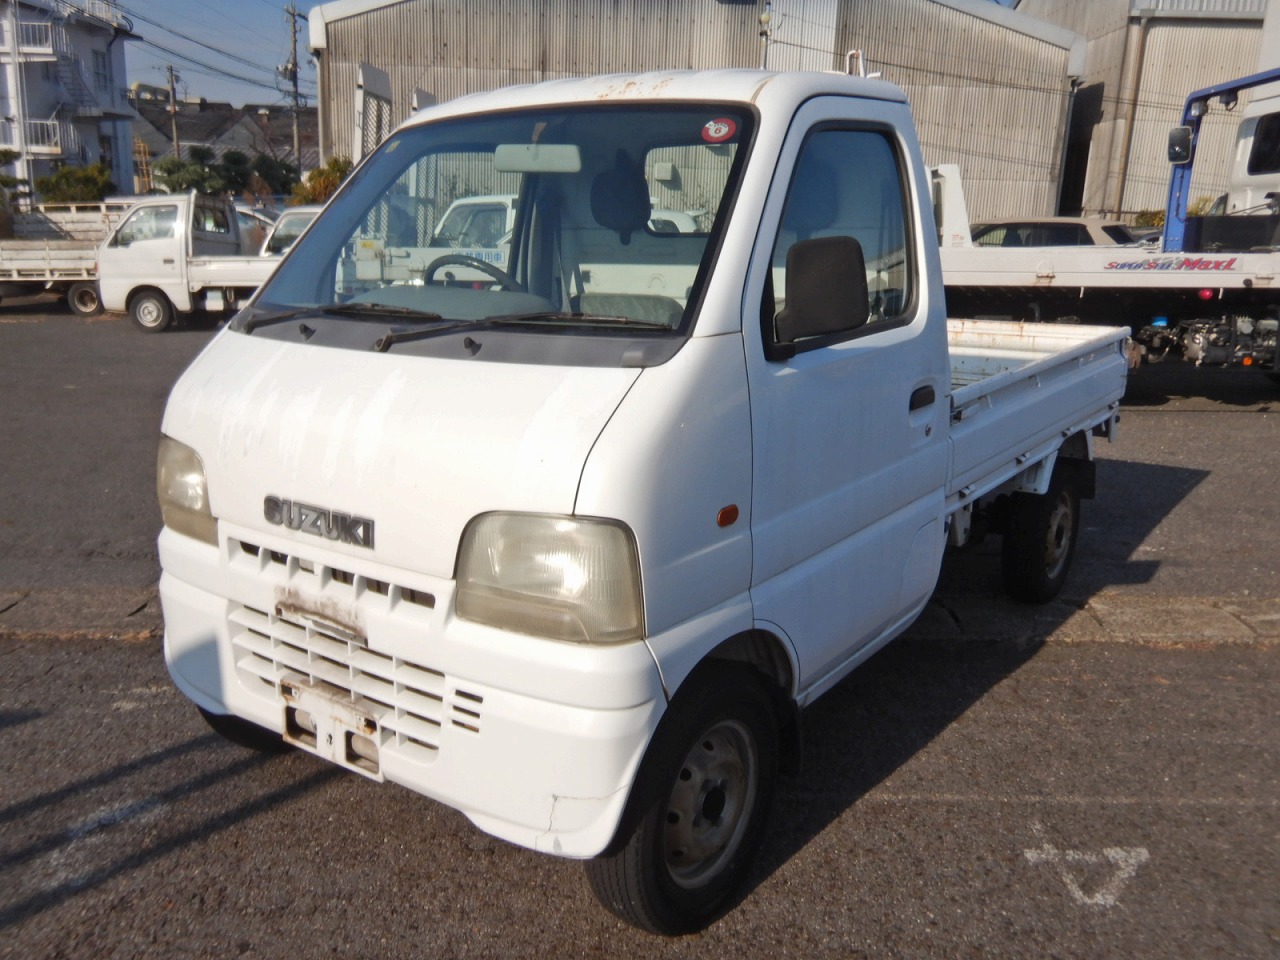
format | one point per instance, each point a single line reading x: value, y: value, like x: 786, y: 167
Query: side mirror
x: 826, y: 291
x: 1180, y: 145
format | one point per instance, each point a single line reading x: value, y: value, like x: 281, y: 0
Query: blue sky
x: 221, y: 49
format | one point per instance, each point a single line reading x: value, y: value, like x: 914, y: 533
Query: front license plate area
x: 327, y: 723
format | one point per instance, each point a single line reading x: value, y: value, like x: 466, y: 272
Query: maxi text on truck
x: 570, y: 548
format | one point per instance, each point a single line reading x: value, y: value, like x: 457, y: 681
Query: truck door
x: 146, y: 250
x: 849, y: 431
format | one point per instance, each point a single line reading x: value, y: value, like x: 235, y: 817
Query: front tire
x: 698, y: 807
x: 1040, y: 541
x: 83, y: 299
x: 151, y: 311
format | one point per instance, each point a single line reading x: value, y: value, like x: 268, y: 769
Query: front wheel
x: 151, y: 311
x: 1040, y: 541
x: 698, y: 808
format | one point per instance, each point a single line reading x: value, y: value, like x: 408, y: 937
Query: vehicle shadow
x: 970, y: 638
x: 1155, y: 385
x: 101, y: 870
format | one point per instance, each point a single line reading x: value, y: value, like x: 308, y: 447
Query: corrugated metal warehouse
x: 1144, y: 57
x: 992, y: 89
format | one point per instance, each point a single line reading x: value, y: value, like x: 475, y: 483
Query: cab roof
x: 694, y: 86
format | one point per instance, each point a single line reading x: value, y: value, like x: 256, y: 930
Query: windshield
x: 581, y: 218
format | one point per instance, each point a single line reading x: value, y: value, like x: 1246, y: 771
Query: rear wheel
x: 243, y: 733
x: 699, y: 805
x: 84, y: 300
x: 1040, y: 541
x: 151, y: 311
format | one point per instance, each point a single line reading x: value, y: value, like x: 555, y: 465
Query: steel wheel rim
x: 149, y: 313
x: 711, y: 803
x: 1057, y: 541
x: 86, y: 300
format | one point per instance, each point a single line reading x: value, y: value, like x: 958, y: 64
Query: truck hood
x: 418, y: 445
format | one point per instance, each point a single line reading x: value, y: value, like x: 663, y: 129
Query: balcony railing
x: 44, y: 137
x: 34, y: 37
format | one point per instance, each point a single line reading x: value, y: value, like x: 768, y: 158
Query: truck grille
x: 412, y: 702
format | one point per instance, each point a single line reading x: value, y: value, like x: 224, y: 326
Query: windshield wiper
x: 350, y: 309
x: 406, y: 334
x: 270, y: 319
x: 362, y: 309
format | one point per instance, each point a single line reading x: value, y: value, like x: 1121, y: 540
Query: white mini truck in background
x: 176, y: 253
x: 569, y: 547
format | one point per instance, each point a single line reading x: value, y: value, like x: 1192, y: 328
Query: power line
x: 190, y: 39
x: 205, y: 68
x: 239, y: 25
x: 210, y: 68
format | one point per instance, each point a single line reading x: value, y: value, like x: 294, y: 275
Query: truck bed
x: 1019, y: 388
x: 229, y: 271
x: 26, y: 259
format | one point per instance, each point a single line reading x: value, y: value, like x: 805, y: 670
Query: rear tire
x: 698, y: 806
x: 83, y: 299
x: 1040, y: 541
x: 243, y: 733
x: 151, y: 311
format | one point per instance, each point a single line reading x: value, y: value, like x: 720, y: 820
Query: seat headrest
x: 620, y: 197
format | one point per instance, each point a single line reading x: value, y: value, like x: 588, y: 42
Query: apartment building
x: 63, y: 92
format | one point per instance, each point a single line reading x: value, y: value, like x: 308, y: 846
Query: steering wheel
x: 500, y: 277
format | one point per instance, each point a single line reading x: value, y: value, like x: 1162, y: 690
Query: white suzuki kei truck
x: 568, y: 548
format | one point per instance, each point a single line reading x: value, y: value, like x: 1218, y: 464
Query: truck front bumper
x: 536, y: 742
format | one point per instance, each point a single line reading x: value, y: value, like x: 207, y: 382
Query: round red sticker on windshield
x: 720, y: 130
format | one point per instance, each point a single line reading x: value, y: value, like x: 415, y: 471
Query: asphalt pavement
x: 1099, y: 777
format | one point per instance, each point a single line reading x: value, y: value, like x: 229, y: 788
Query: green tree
x: 279, y: 176
x: 322, y: 182
x: 76, y: 184
x: 234, y: 173
x: 6, y: 158
x: 182, y: 176
x: 235, y: 170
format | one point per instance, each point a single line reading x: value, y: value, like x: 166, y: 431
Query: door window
x: 848, y: 183
x: 1264, y: 156
x: 149, y: 223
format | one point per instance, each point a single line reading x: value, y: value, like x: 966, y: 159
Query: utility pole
x: 290, y: 72
x: 173, y: 112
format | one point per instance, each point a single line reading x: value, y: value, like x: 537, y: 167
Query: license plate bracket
x: 328, y: 723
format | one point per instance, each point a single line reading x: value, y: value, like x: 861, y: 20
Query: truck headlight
x: 563, y: 578
x: 183, y: 491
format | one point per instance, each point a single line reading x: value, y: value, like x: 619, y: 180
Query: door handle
x: 921, y: 397
x: 168, y: 261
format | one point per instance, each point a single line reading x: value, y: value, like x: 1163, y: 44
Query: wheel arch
x: 770, y: 659
x: 137, y: 292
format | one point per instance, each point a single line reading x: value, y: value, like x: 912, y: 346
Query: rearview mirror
x: 1180, y: 145
x: 537, y: 158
